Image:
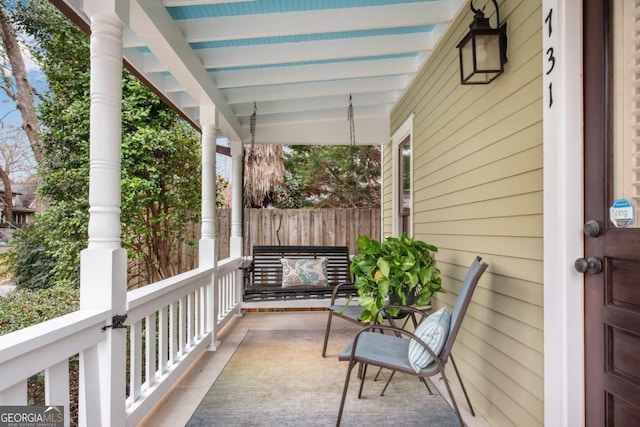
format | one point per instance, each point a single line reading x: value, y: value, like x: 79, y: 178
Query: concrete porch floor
x: 181, y: 401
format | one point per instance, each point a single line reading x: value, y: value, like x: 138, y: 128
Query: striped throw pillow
x: 434, y: 331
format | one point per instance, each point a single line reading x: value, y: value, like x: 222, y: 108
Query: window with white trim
x: 403, y: 179
x: 404, y: 186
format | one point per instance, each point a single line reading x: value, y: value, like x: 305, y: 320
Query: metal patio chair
x: 390, y: 349
x: 350, y: 311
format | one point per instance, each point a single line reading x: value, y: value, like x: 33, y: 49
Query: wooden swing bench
x: 263, y: 278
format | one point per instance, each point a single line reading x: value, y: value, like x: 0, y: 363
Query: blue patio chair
x: 391, y: 348
x: 350, y: 311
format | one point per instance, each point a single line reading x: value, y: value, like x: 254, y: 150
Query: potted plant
x: 399, y: 270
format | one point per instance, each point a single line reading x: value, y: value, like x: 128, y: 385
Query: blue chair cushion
x: 352, y: 310
x: 388, y: 350
x: 434, y: 331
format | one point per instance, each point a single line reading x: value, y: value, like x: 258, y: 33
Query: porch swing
x: 292, y: 273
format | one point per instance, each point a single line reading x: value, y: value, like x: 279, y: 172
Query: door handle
x: 590, y: 265
x: 593, y: 228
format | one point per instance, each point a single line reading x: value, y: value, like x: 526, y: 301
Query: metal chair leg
x: 424, y: 381
x: 326, y: 334
x: 453, y: 399
x: 361, y: 370
x: 344, y: 392
x: 464, y: 390
x: 378, y: 374
x: 387, y: 384
x: 364, y: 374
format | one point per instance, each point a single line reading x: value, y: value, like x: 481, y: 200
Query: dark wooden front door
x: 612, y: 296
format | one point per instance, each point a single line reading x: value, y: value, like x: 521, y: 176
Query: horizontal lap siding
x: 478, y: 190
x: 387, y: 193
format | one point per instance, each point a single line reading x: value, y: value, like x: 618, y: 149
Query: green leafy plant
x: 292, y: 194
x: 160, y: 164
x: 338, y: 176
x: 22, y: 308
x: 399, y: 266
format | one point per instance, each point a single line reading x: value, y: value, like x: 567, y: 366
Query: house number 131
x: 551, y: 59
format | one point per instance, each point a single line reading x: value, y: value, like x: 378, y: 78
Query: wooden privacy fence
x: 277, y: 227
x: 309, y: 227
x: 304, y: 227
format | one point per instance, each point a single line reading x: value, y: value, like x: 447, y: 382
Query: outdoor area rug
x: 279, y: 378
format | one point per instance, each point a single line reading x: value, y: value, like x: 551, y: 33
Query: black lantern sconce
x: 483, y: 51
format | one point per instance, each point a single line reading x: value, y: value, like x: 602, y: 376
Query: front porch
x: 177, y: 407
x: 179, y: 333
x: 497, y: 172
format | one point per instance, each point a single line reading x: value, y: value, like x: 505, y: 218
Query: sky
x: 8, y: 110
x: 11, y: 119
x: 36, y: 77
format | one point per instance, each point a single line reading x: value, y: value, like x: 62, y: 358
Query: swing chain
x: 251, y: 157
x: 352, y: 131
x: 352, y: 124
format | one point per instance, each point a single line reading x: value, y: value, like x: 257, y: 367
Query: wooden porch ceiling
x: 298, y: 60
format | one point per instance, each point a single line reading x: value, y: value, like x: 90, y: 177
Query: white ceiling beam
x: 326, y: 114
x: 151, y: 64
x: 371, y: 130
x: 302, y: 104
x: 317, y: 103
x: 130, y: 39
x: 314, y: 51
x: 315, y: 21
x: 310, y: 73
x: 151, y: 22
x: 169, y: 83
x: 134, y: 57
x: 172, y: 3
x: 303, y: 90
x: 297, y: 74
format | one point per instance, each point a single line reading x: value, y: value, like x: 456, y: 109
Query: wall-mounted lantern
x: 483, y: 51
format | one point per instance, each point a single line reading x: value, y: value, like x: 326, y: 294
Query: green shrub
x: 23, y: 308
x: 29, y: 263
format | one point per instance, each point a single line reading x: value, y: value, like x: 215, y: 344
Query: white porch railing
x: 47, y: 347
x: 229, y: 291
x: 170, y: 324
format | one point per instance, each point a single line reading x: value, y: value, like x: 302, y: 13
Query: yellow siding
x: 478, y: 190
x: 387, y: 194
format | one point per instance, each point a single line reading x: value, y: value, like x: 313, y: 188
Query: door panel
x: 625, y: 293
x: 612, y: 297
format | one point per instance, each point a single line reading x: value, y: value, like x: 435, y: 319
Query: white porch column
x: 207, y: 251
x: 236, y: 243
x: 103, y: 265
x: 207, y: 248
